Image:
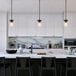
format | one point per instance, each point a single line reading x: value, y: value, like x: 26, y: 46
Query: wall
x: 3, y: 38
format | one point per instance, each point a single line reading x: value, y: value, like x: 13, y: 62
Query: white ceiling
x: 31, y: 6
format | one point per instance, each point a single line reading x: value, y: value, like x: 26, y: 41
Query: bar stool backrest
x: 2, y: 61
x: 23, y: 62
x: 48, y: 62
x: 71, y: 62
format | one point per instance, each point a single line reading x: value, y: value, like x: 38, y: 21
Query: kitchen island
x: 59, y: 54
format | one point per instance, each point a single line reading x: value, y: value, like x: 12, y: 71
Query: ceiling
x: 31, y: 6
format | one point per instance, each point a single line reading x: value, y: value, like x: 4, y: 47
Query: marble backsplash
x: 38, y: 42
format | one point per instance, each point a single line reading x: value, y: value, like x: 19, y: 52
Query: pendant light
x: 65, y: 20
x: 39, y: 20
x: 11, y: 20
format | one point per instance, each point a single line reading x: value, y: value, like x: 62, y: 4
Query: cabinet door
x: 58, y: 25
x: 27, y: 25
x: 70, y: 30
x: 20, y: 27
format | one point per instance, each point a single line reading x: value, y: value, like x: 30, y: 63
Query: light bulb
x: 65, y: 22
x: 11, y: 22
x: 39, y: 23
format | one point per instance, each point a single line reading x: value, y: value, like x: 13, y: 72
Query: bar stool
x: 48, y: 66
x: 71, y: 66
x: 10, y: 67
x: 23, y: 66
x: 2, y: 66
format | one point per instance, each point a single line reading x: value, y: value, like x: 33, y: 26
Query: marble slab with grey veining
x: 58, y: 53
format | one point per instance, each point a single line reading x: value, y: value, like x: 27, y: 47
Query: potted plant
x: 12, y: 44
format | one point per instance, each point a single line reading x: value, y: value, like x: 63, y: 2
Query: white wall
x: 26, y: 25
x: 3, y: 31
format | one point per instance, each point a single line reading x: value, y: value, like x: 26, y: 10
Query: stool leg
x: 41, y: 72
x: 55, y: 72
x: 30, y: 71
x: 66, y: 72
x: 61, y: 71
x: 10, y: 71
x: 4, y: 70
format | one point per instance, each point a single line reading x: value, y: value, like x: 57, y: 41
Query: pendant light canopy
x: 11, y: 20
x: 65, y: 20
x: 39, y: 20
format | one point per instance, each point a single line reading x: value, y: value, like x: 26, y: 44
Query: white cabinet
x: 52, y: 25
x: 58, y: 25
x: 26, y: 25
x: 70, y: 31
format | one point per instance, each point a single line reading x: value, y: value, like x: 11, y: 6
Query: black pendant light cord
x: 39, y: 20
x: 39, y: 9
x: 11, y: 20
x: 65, y: 9
x: 11, y: 9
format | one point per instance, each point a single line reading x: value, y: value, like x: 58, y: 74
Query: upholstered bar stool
x: 2, y: 66
x: 71, y: 66
x: 23, y: 66
x: 48, y: 66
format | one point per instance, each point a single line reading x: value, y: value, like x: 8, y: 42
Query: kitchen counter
x: 58, y: 53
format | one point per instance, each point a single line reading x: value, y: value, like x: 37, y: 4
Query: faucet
x: 72, y: 51
x: 31, y: 51
x: 20, y: 49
